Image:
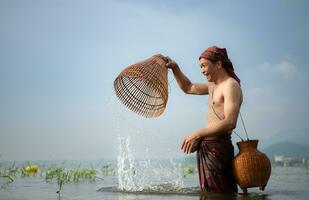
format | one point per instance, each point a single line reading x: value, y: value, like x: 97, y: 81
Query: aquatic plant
x: 63, y: 176
x: 106, y: 169
x: 188, y: 170
x: 9, y: 174
x: 31, y: 169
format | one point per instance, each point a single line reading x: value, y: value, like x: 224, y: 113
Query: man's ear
x: 219, y: 64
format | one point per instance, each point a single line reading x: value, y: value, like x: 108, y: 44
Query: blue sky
x: 58, y: 61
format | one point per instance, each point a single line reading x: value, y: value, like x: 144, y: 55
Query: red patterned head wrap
x: 215, y: 53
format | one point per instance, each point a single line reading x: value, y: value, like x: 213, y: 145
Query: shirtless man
x: 212, y: 143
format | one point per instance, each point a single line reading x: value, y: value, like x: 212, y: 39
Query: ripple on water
x: 162, y: 189
x: 166, y: 189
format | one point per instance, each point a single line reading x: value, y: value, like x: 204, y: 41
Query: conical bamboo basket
x: 250, y: 166
x: 143, y: 86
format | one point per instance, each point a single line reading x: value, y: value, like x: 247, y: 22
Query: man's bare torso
x: 216, y: 104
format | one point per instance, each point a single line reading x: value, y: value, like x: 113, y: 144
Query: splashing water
x: 135, y: 175
x: 126, y: 173
x: 144, y: 175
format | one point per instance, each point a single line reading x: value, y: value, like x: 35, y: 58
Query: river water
x: 285, y: 183
x: 129, y: 178
x: 132, y: 179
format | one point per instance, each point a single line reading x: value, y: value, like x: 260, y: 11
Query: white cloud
x: 259, y: 92
x: 286, y: 67
x: 283, y: 67
x: 265, y: 67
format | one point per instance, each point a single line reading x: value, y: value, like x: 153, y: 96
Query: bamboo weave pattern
x: 251, y: 167
x: 143, y: 87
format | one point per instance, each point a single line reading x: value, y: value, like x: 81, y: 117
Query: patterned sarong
x: 214, y: 162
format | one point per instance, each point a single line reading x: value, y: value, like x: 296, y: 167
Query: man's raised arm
x: 184, y: 83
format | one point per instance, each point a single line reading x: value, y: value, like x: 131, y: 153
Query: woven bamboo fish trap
x: 143, y: 86
x: 250, y: 166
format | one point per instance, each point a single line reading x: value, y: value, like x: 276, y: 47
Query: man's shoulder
x: 232, y: 83
x: 232, y: 88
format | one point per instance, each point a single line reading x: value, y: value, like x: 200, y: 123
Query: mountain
x: 295, y: 136
x: 287, y: 149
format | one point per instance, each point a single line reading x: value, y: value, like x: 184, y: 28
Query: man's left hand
x: 190, y: 142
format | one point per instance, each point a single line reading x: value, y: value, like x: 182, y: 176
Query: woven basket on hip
x: 143, y: 87
x: 250, y: 166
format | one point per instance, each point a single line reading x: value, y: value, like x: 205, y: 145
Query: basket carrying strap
x: 212, y: 93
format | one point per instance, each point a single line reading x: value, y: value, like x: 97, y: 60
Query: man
x: 213, y: 144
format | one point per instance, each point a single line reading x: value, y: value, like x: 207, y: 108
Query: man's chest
x: 216, y: 98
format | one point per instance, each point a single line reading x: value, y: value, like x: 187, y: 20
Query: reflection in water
x: 165, y: 191
x: 250, y: 196
x: 253, y: 196
x: 162, y: 189
x: 214, y: 196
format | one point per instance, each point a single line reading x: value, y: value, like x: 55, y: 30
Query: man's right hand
x: 170, y: 63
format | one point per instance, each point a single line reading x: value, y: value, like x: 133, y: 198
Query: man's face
x: 208, y: 69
